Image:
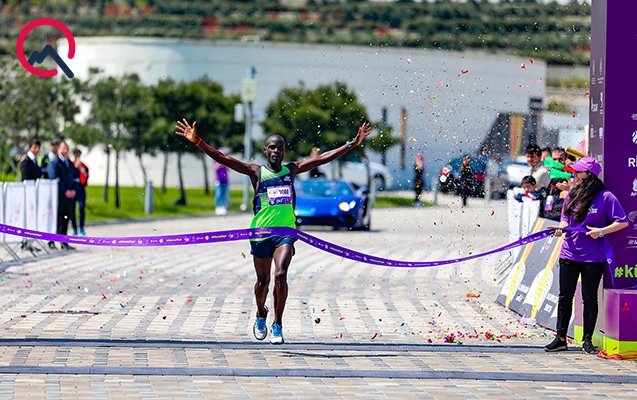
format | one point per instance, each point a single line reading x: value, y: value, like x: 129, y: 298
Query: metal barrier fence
x: 30, y: 205
x: 522, y: 217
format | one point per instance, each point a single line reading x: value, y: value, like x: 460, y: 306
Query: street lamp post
x: 248, y: 95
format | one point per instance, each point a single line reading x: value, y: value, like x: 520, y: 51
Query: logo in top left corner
x: 47, y: 50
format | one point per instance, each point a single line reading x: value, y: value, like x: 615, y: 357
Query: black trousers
x: 80, y: 200
x: 65, y: 209
x: 591, y: 273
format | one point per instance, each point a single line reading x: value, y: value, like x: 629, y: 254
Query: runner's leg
x: 282, y: 258
x: 262, y: 267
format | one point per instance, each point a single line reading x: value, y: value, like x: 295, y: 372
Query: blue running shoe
x: 260, y: 328
x: 277, y: 334
x: 82, y: 232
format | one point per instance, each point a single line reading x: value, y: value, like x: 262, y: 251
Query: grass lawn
x: 132, y: 203
x: 198, y: 203
x: 388, y: 200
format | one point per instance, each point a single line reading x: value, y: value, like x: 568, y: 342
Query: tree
x: 137, y: 119
x: 114, y: 104
x: 33, y: 107
x: 324, y: 117
x: 201, y: 100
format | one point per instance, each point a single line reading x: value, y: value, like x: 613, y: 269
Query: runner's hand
x: 364, y: 131
x: 186, y: 130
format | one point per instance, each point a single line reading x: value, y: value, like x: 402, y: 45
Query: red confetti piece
x: 164, y: 317
x: 189, y: 301
x: 492, y: 213
x: 341, y: 318
x: 439, y: 314
x: 574, y: 114
x: 522, y: 66
x: 625, y: 307
x: 375, y: 336
x: 531, y: 60
x: 464, y: 71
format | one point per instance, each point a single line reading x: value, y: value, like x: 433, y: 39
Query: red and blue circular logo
x: 47, y: 50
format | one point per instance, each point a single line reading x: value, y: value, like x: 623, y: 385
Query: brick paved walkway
x: 176, y: 322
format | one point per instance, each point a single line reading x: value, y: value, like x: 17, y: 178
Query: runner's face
x: 275, y: 150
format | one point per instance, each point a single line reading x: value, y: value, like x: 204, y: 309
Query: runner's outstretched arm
x: 183, y: 128
x: 324, y: 158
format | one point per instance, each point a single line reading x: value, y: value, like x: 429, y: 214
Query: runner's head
x: 274, y: 149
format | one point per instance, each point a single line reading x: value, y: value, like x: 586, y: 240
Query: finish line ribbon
x: 246, y: 234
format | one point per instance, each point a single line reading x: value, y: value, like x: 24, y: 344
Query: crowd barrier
x: 30, y: 205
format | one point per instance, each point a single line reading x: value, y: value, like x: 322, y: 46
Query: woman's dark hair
x: 582, y: 196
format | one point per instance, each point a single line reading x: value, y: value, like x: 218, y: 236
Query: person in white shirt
x: 538, y: 170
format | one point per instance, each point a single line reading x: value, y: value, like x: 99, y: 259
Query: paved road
x: 176, y: 322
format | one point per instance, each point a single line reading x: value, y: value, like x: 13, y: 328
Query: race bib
x: 280, y: 195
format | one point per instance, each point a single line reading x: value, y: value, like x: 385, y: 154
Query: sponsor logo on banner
x: 626, y: 272
x: 632, y: 216
x: 634, y: 191
x: 635, y: 137
x: 594, y: 106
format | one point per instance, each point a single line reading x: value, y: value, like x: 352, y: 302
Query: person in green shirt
x: 273, y: 206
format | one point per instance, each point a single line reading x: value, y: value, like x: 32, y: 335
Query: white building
x: 451, y: 98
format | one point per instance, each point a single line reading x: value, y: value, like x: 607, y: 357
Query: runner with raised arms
x: 273, y: 206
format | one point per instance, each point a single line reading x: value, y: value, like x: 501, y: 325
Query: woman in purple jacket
x: 596, y: 210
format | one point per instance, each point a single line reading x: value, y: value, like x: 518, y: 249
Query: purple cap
x: 587, y: 164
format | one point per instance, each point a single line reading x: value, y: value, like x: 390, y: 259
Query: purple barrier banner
x: 247, y: 234
x: 613, y: 122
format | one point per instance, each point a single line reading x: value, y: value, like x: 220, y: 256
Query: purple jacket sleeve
x: 613, y: 210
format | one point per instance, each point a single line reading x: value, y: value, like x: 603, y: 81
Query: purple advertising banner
x: 613, y: 122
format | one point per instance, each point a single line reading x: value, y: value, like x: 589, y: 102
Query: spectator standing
x: 538, y: 170
x: 80, y: 196
x: 221, y: 188
x: 546, y: 152
x: 466, y: 176
x: 49, y: 157
x: 419, y: 177
x: 62, y: 169
x: 30, y: 171
x: 559, y: 155
x: 29, y: 165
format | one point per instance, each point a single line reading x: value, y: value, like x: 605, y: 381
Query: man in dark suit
x: 62, y: 168
x: 50, y: 156
x: 31, y: 171
x: 29, y: 165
